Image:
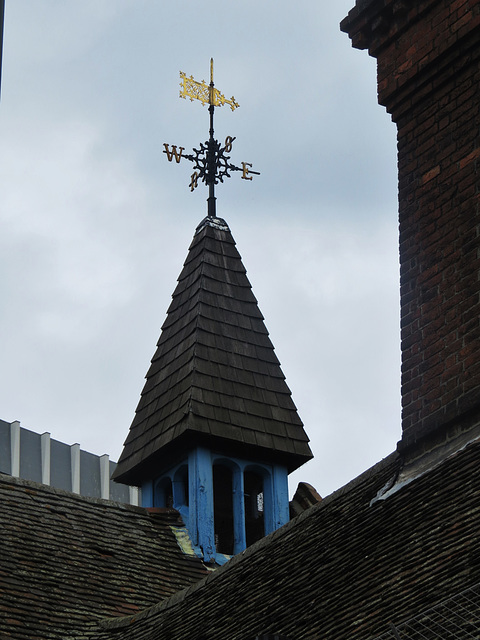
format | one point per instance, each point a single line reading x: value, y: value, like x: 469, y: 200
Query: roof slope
x: 66, y: 560
x: 214, y: 375
x: 344, y: 569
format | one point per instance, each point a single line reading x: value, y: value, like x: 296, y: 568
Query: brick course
x: 429, y: 79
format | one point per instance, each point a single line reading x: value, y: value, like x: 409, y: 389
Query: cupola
x: 216, y: 431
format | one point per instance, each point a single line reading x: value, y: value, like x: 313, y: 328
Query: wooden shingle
x: 215, y: 373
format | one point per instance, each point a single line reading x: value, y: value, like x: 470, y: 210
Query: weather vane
x: 211, y: 164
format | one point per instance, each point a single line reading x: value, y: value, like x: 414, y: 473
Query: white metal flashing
x: 418, y: 468
x: 216, y: 223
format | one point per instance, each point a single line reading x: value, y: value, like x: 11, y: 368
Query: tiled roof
x: 66, y: 560
x: 215, y: 375
x: 456, y: 617
x: 346, y: 568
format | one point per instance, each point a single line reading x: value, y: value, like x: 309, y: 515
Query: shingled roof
x: 215, y: 376
x: 67, y: 559
x: 347, y: 568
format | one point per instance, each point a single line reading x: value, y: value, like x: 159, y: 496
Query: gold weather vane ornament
x: 207, y: 94
x: 211, y: 164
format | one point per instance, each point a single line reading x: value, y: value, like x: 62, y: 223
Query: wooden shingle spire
x: 214, y: 378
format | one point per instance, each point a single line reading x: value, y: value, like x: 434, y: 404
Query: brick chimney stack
x: 428, y: 55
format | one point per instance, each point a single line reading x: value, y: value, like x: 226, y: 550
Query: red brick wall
x: 428, y: 57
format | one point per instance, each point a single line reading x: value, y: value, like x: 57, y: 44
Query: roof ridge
x: 7, y: 479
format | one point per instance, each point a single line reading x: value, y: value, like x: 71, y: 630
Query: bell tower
x: 216, y: 431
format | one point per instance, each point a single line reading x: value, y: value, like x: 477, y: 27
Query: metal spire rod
x: 212, y: 169
x: 2, y: 20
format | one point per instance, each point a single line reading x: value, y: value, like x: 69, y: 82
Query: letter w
x: 173, y: 152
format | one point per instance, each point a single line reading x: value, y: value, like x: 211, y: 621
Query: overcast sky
x: 96, y: 223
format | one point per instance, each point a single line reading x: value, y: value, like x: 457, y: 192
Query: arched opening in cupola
x: 223, y: 508
x: 254, y: 506
x: 163, y: 493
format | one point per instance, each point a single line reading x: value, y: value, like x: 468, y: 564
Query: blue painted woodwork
x: 147, y: 494
x: 281, y: 509
x: 189, y: 488
x: 239, y: 537
x: 201, y: 493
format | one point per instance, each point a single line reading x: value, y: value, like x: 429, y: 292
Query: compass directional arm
x: 245, y: 170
